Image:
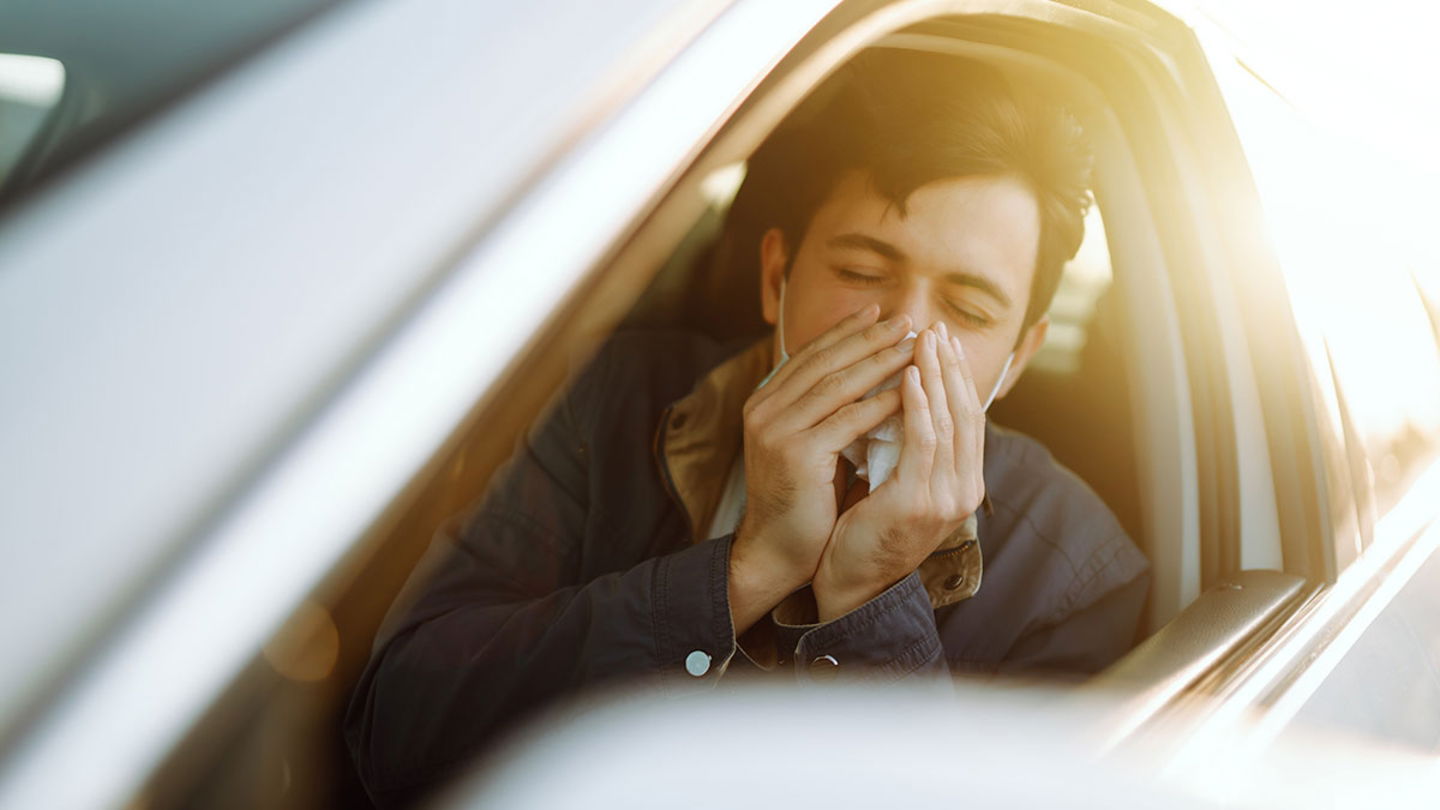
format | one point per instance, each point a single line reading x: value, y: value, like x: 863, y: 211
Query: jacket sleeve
x: 890, y: 638
x: 502, y: 625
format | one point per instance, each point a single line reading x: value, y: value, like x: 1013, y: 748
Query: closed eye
x: 969, y: 317
x: 858, y: 276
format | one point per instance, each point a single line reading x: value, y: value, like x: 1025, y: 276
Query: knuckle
x: 750, y: 418
x: 876, y: 333
x: 829, y: 384
x: 760, y: 444
x: 885, y: 359
x: 824, y: 357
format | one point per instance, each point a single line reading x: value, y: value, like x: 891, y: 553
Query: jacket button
x: 967, y: 545
x: 697, y: 663
x: 824, y: 668
x: 954, y: 581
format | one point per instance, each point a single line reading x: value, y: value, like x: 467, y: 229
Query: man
x: 688, y: 511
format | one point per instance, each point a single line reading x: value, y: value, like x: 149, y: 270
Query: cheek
x: 821, y: 309
x: 985, y: 357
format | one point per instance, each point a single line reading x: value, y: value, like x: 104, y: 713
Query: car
x: 281, y: 286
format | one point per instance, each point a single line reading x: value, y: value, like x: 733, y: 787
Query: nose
x: 913, y: 299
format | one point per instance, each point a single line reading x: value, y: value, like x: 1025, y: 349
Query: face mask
x: 877, y: 452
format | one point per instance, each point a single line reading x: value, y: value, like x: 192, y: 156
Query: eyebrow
x: 880, y: 247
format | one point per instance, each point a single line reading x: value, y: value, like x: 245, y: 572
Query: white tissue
x: 877, y: 453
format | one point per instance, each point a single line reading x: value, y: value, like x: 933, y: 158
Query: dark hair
x: 908, y: 118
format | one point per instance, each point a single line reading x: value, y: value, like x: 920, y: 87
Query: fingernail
x: 959, y: 349
x: 944, y: 333
x: 906, y: 345
x: 913, y: 373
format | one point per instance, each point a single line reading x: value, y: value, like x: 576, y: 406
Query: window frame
x: 1257, y: 692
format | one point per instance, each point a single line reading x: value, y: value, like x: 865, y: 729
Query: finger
x: 854, y: 420
x: 942, y: 420
x: 963, y: 408
x: 966, y: 372
x: 840, y: 388
x: 972, y: 447
x: 849, y: 325
x: 917, y: 450
x: 815, y: 362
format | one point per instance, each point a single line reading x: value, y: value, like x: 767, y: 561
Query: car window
x: 1347, y: 224
x: 1073, y: 322
x: 1387, y: 687
x: 75, y: 74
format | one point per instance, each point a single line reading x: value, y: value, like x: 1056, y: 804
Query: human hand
x: 938, y: 483
x: 795, y: 427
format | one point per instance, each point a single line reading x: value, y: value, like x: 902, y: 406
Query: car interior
x: 1116, y: 363
x: 1081, y: 377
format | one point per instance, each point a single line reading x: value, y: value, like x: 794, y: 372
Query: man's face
x: 964, y: 253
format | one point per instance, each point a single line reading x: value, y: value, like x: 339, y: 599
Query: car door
x: 204, y: 315
x: 1356, y: 656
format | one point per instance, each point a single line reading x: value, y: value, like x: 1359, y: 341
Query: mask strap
x: 780, y: 335
x: 1004, y: 370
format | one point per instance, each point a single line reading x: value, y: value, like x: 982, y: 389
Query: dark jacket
x: 584, y: 565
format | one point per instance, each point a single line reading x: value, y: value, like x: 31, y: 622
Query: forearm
x: 758, y: 580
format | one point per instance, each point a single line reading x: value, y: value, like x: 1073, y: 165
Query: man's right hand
x: 795, y: 428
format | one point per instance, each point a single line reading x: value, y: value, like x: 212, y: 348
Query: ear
x: 772, y: 273
x: 1030, y: 343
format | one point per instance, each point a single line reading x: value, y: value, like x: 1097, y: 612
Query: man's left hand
x: 937, y: 484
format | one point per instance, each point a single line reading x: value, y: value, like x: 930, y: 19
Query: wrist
x: 837, y: 595
x: 758, y: 580
x: 758, y: 570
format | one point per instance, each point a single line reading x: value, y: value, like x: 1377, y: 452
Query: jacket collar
x: 701, y: 435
